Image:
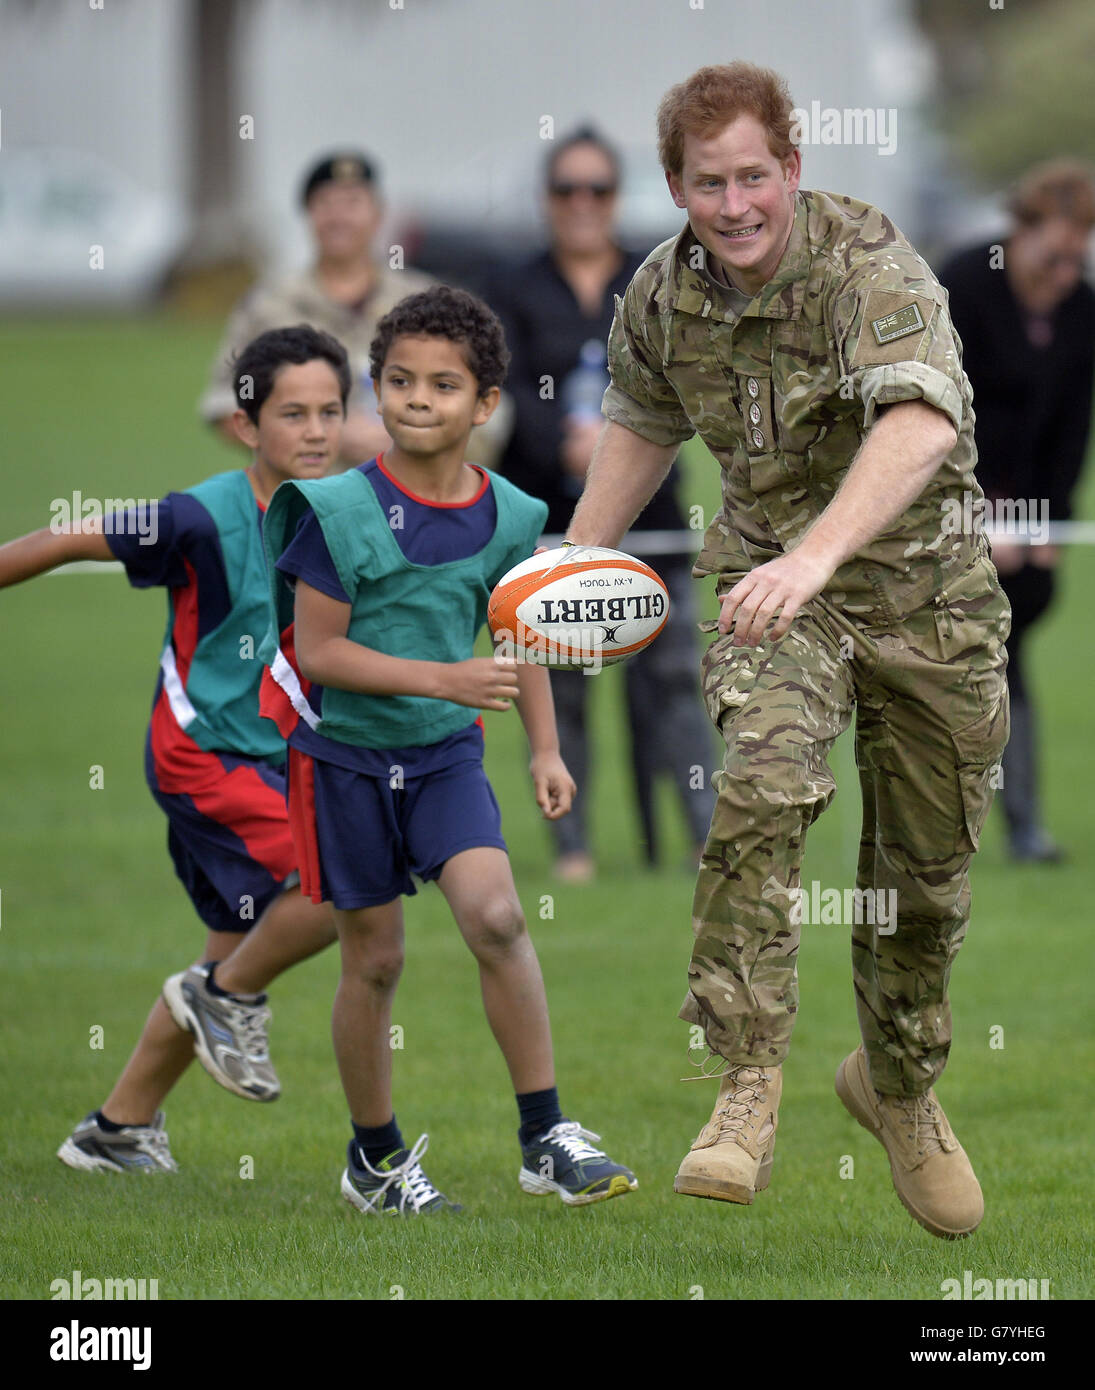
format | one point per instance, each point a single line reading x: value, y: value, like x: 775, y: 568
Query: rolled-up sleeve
x: 639, y: 396
x: 909, y: 381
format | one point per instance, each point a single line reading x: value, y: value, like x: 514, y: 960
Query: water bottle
x: 584, y: 387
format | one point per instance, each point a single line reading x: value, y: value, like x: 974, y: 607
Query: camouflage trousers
x: 931, y: 711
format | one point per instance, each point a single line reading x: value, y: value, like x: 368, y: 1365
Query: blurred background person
x: 1027, y: 324
x: 346, y: 291
x: 557, y: 310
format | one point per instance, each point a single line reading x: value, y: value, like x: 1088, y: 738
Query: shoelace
x: 703, y: 1067
x: 154, y: 1143
x: 251, y: 1024
x: 415, y: 1187
x: 737, y: 1108
x: 926, y: 1118
x: 571, y: 1138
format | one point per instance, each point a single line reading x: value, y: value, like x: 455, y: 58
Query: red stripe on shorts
x: 242, y: 801
x: 302, y: 822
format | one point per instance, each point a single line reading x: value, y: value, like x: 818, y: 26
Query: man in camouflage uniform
x: 801, y: 336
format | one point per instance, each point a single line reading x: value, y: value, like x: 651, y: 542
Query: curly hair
x: 444, y: 312
x: 715, y: 96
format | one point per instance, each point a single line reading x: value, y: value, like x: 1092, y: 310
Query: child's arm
x: 554, y: 785
x: 44, y: 550
x: 327, y: 656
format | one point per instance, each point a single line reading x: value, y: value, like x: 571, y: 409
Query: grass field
x: 93, y: 920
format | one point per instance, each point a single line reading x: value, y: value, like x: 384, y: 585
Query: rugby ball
x: 577, y: 607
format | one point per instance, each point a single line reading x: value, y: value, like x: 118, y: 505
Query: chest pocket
x: 701, y: 385
x: 769, y: 467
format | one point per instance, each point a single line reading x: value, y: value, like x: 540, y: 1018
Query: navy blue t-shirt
x: 183, y: 548
x: 177, y: 545
x: 428, y: 533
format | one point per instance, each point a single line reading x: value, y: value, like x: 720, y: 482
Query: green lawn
x: 93, y: 920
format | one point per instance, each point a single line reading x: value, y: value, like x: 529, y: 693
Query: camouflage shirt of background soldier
x: 783, y: 388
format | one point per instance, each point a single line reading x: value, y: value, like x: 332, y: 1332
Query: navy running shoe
x: 564, y: 1161
x: 397, y: 1187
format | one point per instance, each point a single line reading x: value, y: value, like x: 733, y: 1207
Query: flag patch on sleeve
x: 897, y: 325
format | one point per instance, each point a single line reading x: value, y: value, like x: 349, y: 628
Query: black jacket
x: 545, y: 329
x: 1032, y: 405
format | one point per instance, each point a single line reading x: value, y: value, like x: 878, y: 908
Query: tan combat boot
x: 931, y: 1173
x: 732, y: 1158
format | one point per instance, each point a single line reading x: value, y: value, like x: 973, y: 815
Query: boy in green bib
x: 214, y: 766
x: 380, y: 579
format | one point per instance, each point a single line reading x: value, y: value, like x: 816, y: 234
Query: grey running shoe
x: 134, y: 1149
x: 229, y: 1037
x: 398, y: 1187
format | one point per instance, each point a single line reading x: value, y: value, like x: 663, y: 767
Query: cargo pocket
x: 720, y: 665
x: 978, y: 750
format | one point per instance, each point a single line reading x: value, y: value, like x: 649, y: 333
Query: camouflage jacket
x: 783, y: 389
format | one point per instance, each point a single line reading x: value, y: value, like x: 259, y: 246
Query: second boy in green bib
x: 380, y: 580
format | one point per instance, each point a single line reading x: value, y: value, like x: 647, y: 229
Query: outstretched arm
x: 551, y: 781
x: 46, y: 549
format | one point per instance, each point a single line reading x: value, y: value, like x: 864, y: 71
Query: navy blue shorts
x: 228, y: 834
x: 359, y: 840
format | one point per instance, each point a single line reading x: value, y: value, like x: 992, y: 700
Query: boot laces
x: 924, y: 1117
x: 740, y: 1104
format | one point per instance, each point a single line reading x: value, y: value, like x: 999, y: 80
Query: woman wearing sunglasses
x: 557, y: 310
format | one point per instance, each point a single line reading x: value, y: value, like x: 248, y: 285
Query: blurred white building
x: 451, y: 96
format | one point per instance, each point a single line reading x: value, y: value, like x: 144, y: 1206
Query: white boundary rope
x: 687, y: 542
x: 681, y: 542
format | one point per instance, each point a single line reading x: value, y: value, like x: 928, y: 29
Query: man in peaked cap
x: 802, y: 337
x: 345, y: 292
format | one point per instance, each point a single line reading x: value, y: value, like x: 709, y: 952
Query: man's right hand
x: 483, y: 682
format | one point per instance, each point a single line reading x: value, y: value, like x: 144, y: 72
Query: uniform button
x: 754, y: 413
x: 753, y: 387
x: 758, y: 439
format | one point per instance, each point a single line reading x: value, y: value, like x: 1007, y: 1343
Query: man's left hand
x: 780, y: 588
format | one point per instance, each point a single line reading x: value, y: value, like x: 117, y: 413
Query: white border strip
x: 177, y: 698
x: 286, y: 677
